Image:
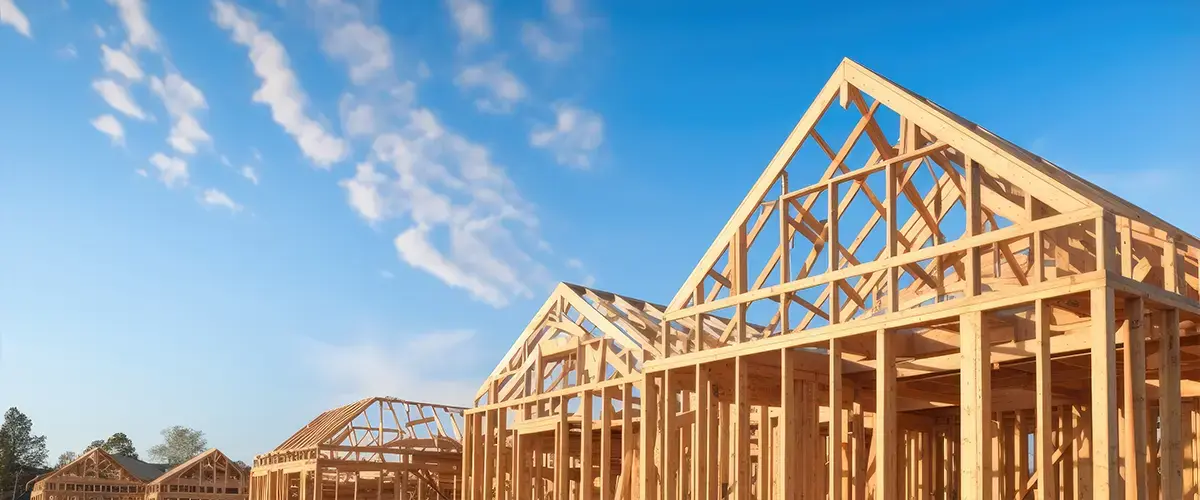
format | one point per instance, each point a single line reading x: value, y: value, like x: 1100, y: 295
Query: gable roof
x: 134, y: 468
x: 582, y: 313
x: 183, y: 467
x: 142, y: 470
x: 439, y: 423
x: 1057, y: 188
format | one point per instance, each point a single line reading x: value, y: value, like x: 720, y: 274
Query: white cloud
x: 535, y: 38
x: 358, y: 119
x: 110, y: 126
x: 171, y: 171
x: 181, y: 99
x: 118, y: 97
x: 415, y: 249
x: 471, y: 19
x: 435, y: 366
x: 100, y: 33
x: 463, y: 220
x: 117, y: 61
x: 280, y: 89
x: 367, y: 49
x: 68, y: 51
x: 12, y: 16
x: 363, y: 192
x: 137, y: 26
x: 558, y: 37
x: 576, y: 135
x: 502, y: 88
x: 385, y: 274
x: 423, y: 70
x: 217, y: 198
x: 250, y: 174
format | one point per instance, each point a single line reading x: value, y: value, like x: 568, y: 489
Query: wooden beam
x: 1105, y: 438
x: 1171, y: 452
x: 836, y: 429
x: 1044, y: 444
x: 976, y: 405
x: 885, y: 417
x: 1133, y: 435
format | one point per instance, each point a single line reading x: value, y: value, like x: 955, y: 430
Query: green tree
x: 120, y: 444
x: 99, y: 443
x: 65, y: 458
x: 179, y: 445
x: 21, y: 452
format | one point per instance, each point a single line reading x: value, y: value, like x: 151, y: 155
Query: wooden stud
x: 1133, y: 435
x: 976, y: 438
x: 1171, y: 459
x: 1105, y: 435
x: 885, y: 417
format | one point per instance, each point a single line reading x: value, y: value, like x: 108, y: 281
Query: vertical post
x: 832, y: 248
x: 976, y: 424
x: 1044, y: 445
x: 649, y: 483
x: 488, y: 419
x: 787, y: 421
x: 1171, y: 461
x: 892, y: 236
x: 742, y: 406
x: 836, y: 425
x: 1133, y: 436
x: 885, y: 417
x: 562, y: 452
x: 670, y: 436
x: 586, y: 442
x: 1105, y: 458
x: 700, y: 436
x: 627, y: 438
x: 974, y: 225
x: 606, y: 483
x: 501, y: 456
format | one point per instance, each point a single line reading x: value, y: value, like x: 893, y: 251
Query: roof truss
x: 379, y: 429
x: 94, y: 464
x: 583, y: 335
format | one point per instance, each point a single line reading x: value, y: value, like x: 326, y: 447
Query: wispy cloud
x: 181, y: 99
x: 435, y: 366
x: 366, y: 49
x: 12, y: 16
x: 574, y: 138
x: 472, y: 19
x: 465, y: 222
x: 118, y: 97
x: 280, y: 89
x: 137, y: 26
x: 171, y: 171
x: 119, y: 62
x: 500, y: 86
x: 217, y: 198
x: 558, y: 37
x: 250, y: 174
x: 110, y: 126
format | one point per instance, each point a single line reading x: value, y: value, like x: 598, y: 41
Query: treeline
x: 23, y: 454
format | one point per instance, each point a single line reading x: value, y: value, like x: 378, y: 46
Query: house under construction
x: 904, y: 305
x: 374, y: 449
x: 98, y: 475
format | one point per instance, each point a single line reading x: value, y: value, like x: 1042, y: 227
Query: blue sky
x: 233, y: 215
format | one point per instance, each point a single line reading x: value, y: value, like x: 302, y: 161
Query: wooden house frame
x: 905, y: 305
x: 948, y: 316
x: 94, y: 475
x: 569, y: 392
x: 207, y: 476
x: 374, y: 449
